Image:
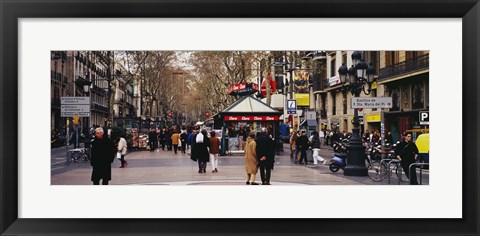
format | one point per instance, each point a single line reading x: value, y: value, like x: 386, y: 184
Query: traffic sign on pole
x: 75, y: 106
x: 291, y: 106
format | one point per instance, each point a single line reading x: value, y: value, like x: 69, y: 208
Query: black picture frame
x: 12, y: 10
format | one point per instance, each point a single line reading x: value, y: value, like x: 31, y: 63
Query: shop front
x: 399, y: 122
x: 243, y: 117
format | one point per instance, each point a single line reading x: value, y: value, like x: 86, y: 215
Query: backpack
x: 199, y: 138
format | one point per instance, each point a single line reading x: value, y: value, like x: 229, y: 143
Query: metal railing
x: 80, y: 80
x: 404, y: 67
x: 417, y: 165
x: 99, y: 90
x: 100, y: 108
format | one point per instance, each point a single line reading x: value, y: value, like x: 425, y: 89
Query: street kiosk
x: 242, y: 117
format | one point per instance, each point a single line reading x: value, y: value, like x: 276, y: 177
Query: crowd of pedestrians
x: 300, y: 144
x: 259, y: 150
x: 202, y: 147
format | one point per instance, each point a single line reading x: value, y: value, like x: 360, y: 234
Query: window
x: 391, y: 57
x: 395, y: 94
x: 410, y: 54
x: 344, y: 59
x: 406, y: 98
x: 373, y: 58
x: 418, y: 100
x: 332, y: 67
x: 344, y: 103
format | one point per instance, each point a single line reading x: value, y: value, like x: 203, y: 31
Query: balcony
x: 99, y: 108
x: 405, y: 67
x: 56, y: 76
x: 80, y: 81
x: 99, y: 90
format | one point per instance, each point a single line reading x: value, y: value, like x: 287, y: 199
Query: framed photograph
x: 445, y: 34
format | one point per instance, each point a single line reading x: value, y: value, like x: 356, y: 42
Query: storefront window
x: 406, y: 97
x: 418, y: 98
x: 395, y: 94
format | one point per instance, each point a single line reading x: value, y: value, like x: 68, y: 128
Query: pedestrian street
x: 166, y: 168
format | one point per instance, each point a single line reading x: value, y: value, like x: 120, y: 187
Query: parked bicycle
x: 78, y: 155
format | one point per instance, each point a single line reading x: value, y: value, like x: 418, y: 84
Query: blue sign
x: 292, y: 106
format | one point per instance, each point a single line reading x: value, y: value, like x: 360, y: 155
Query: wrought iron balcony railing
x: 99, y: 90
x: 411, y: 65
x: 99, y: 108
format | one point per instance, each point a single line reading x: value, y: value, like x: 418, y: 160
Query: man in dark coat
x: 407, y: 153
x: 266, y: 155
x: 303, y: 145
x: 152, y: 139
x: 183, y: 139
x: 103, y: 154
x: 200, y: 152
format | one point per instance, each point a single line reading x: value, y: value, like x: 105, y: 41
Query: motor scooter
x: 339, y: 161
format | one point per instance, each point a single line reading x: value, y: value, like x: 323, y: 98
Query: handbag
x: 119, y: 156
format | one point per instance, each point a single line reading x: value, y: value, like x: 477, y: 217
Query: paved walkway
x: 166, y: 168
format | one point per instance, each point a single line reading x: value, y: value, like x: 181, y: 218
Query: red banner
x: 242, y: 88
x: 251, y: 118
x: 273, y: 85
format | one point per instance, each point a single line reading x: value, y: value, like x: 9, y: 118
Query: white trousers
x: 316, y: 156
x: 214, y: 160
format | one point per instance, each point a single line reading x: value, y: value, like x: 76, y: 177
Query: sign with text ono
x: 251, y: 118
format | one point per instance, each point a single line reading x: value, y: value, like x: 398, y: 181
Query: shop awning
x: 309, y: 123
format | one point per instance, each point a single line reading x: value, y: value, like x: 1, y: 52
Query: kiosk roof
x: 249, y: 104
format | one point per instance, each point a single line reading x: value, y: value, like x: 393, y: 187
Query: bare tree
x: 216, y: 71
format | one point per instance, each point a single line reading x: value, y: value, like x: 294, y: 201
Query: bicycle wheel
x: 375, y: 173
x: 68, y: 159
x: 76, y: 157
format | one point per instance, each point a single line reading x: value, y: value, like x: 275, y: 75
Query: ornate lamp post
x: 360, y: 75
x: 86, y: 90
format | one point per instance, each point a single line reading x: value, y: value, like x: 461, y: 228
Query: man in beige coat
x: 251, y: 159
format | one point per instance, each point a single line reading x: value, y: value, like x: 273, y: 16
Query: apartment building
x: 402, y: 75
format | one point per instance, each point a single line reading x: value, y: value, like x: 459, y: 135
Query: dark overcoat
x: 265, y: 147
x: 200, y: 150
x: 407, y: 151
x: 103, y: 154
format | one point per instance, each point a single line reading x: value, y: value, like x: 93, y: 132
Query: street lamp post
x: 86, y: 90
x: 359, y: 75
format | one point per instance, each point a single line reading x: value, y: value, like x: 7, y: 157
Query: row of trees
x: 195, y: 82
x: 215, y: 71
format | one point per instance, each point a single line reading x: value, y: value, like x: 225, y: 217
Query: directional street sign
x: 75, y: 106
x: 75, y: 100
x: 292, y: 106
x: 372, y: 102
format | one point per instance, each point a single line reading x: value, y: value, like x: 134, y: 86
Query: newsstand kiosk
x: 242, y: 117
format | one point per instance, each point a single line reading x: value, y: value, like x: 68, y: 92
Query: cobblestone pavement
x: 166, y: 168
